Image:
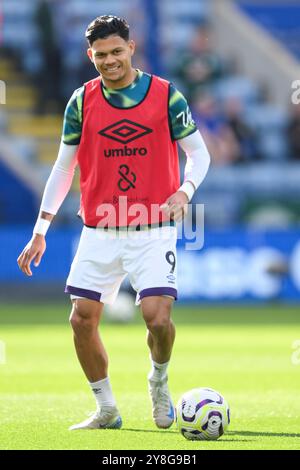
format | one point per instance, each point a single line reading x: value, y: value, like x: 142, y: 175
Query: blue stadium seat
x: 237, y: 86
x: 279, y: 18
x: 269, y: 122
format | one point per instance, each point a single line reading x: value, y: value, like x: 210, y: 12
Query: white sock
x: 158, y: 371
x: 103, y: 393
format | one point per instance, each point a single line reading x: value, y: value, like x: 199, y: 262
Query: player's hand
x: 176, y: 206
x: 33, y: 251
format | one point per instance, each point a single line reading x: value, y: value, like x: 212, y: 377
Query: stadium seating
x: 280, y: 18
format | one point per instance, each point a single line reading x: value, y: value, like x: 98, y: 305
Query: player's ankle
x: 103, y: 393
x: 158, y: 372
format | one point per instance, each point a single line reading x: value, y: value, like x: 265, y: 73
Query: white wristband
x: 188, y: 188
x: 41, y: 226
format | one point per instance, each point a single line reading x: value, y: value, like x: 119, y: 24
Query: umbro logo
x: 125, y: 131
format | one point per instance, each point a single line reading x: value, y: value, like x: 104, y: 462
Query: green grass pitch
x: 244, y: 352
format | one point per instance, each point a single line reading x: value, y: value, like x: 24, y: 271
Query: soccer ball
x: 122, y: 310
x: 202, y: 414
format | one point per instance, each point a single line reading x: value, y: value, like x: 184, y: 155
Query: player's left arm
x: 184, y: 130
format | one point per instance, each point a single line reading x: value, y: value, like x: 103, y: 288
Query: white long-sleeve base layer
x: 61, y: 176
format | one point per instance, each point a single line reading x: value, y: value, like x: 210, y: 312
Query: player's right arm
x: 58, y: 185
x: 57, y: 188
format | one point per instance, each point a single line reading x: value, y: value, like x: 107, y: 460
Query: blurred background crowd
x: 236, y: 61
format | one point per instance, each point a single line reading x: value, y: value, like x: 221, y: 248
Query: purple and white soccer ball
x: 202, y: 414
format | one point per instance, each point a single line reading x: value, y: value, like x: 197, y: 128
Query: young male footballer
x: 122, y: 129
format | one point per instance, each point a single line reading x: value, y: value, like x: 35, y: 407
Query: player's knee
x: 81, y: 325
x: 157, y: 319
x: 82, y: 320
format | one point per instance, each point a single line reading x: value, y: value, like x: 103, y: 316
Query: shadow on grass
x: 264, y: 434
x: 232, y: 440
x: 176, y: 432
x: 150, y: 430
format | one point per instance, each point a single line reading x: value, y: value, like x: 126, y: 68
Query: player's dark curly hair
x: 106, y: 25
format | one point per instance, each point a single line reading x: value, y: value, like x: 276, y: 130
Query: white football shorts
x: 104, y: 258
